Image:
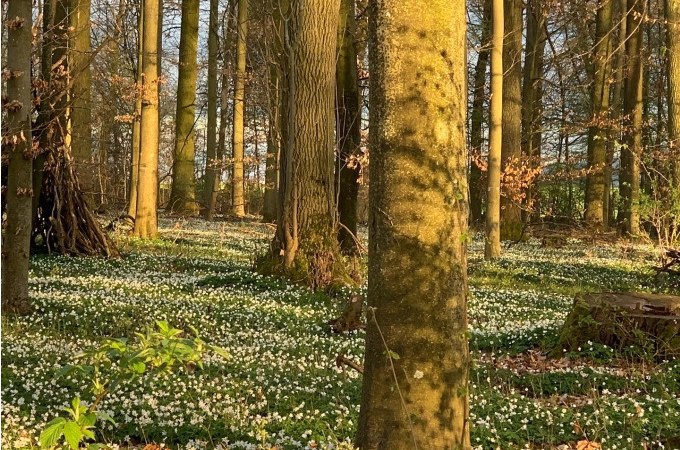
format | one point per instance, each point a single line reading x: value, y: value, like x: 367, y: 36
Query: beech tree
x: 213, y: 164
x: 673, y: 44
x: 237, y: 193
x: 415, y: 386
x: 17, y: 139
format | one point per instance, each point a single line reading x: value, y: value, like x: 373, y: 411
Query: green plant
x: 117, y: 360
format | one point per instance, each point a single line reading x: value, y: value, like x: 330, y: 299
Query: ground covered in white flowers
x: 281, y: 387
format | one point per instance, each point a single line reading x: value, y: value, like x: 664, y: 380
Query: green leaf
x: 163, y: 326
x: 73, y: 434
x: 52, y: 432
x: 88, y: 420
x: 394, y: 355
x: 138, y: 367
x: 103, y: 416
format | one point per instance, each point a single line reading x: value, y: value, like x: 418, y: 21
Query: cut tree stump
x: 648, y: 322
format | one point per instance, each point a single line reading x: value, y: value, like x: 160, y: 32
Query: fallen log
x: 647, y: 322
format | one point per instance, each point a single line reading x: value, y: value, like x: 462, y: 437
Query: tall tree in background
x: 532, y: 92
x: 237, y: 192
x: 146, y: 220
x: 137, y: 116
x: 418, y: 222
x: 80, y: 109
x: 17, y: 139
x: 348, y: 127
x: 673, y: 37
x: 511, y: 216
x: 477, y: 116
x: 598, y: 131
x: 632, y: 110
x: 213, y: 165
x: 183, y: 194
x: 492, y: 245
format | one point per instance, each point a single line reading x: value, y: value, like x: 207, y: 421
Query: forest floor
x: 281, y: 389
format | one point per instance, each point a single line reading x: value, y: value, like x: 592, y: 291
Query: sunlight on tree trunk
x: 673, y: 36
x: 213, y: 165
x: 237, y: 193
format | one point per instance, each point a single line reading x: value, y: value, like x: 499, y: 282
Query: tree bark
x: 17, y: 243
x: 673, y: 37
x: 213, y: 165
x: 348, y: 128
x: 492, y: 246
x: 477, y: 116
x: 237, y: 192
x: 137, y: 121
x: 146, y: 221
x: 598, y: 132
x: 632, y: 109
x: 415, y: 386
x: 511, y: 216
x: 183, y: 194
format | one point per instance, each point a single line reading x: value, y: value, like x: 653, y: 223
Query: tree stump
x: 649, y: 322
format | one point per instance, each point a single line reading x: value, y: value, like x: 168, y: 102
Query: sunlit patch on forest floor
x: 281, y: 387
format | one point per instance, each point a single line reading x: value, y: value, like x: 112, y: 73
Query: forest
x: 340, y: 224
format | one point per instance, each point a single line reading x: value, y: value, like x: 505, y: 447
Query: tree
x: 237, y: 178
x: 80, y: 110
x: 492, y: 246
x: 146, y: 221
x: 348, y: 128
x: 416, y: 366
x: 598, y: 131
x: 183, y: 194
x: 632, y: 110
x: 477, y: 116
x: 673, y: 37
x: 137, y: 118
x: 213, y: 165
x: 511, y: 218
x: 18, y: 139
x: 305, y: 246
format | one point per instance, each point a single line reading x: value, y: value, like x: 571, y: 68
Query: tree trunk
x: 477, y: 117
x: 80, y: 116
x: 137, y: 121
x: 598, y: 131
x: 213, y: 165
x: 632, y: 109
x: 415, y: 387
x: 17, y: 135
x: 183, y: 194
x: 532, y: 96
x: 237, y: 193
x: 348, y: 128
x: 146, y: 221
x: 673, y: 37
x: 511, y: 215
x: 492, y: 247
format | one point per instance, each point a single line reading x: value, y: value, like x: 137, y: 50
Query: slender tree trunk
x: 477, y: 116
x: 146, y: 221
x: 492, y: 247
x: 598, y: 131
x: 673, y: 37
x: 415, y: 387
x: 532, y: 95
x: 137, y: 121
x: 511, y: 216
x: 632, y: 106
x: 213, y: 166
x: 17, y: 240
x: 237, y: 192
x: 80, y: 102
x: 183, y: 194
x: 348, y: 128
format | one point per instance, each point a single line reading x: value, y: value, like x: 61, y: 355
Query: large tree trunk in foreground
x: 183, y: 194
x: 621, y: 320
x: 305, y: 246
x: 477, y: 189
x: 238, y: 199
x: 673, y: 37
x: 213, y: 165
x: 416, y: 366
x: 598, y: 131
x: 137, y: 120
x: 511, y: 215
x: 146, y: 220
x: 348, y: 128
x: 492, y: 244
x: 17, y: 140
